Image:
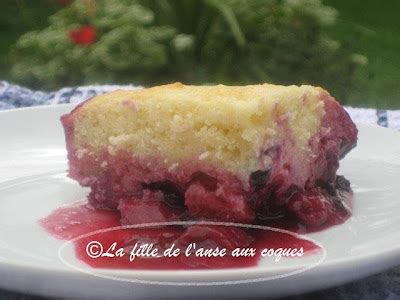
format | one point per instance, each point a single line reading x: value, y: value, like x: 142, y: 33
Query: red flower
x: 83, y: 36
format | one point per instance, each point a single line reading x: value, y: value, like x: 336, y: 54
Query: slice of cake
x: 225, y: 153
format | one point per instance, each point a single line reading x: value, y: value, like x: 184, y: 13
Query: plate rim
x: 368, y: 259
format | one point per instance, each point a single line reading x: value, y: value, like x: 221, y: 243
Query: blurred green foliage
x: 199, y: 41
x: 194, y: 41
x: 16, y: 18
x: 373, y: 28
x: 127, y: 43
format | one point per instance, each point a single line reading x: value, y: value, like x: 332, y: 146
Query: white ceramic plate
x: 33, y: 182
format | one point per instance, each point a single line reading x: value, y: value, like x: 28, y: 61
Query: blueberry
x: 328, y: 187
x: 259, y: 178
x: 342, y: 183
x: 173, y: 195
x: 174, y: 200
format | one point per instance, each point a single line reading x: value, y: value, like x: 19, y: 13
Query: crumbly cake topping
x: 225, y: 126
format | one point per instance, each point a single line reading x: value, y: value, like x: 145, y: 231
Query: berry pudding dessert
x: 257, y: 154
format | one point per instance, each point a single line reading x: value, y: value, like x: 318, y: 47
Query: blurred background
x: 350, y: 47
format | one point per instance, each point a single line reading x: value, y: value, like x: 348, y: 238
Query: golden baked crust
x: 227, y: 126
